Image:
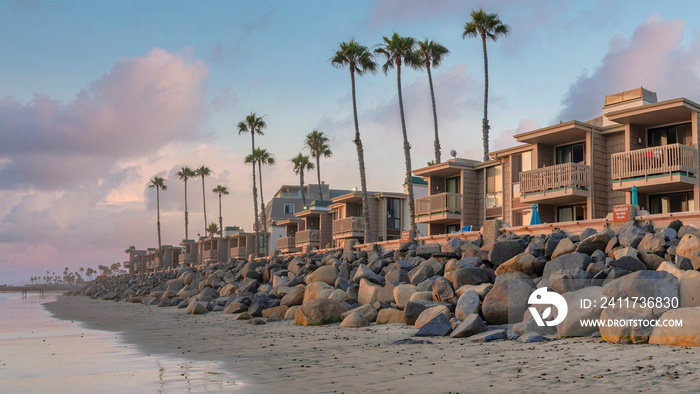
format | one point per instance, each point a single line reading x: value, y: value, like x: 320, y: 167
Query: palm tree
x: 398, y: 50
x: 301, y: 165
x: 431, y: 54
x: 317, y: 142
x: 158, y: 183
x: 253, y: 125
x: 360, y: 60
x: 262, y: 157
x: 486, y: 26
x: 212, y: 229
x: 204, y: 172
x: 221, y: 191
x: 186, y: 173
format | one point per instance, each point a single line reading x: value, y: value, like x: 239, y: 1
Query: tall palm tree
x: 221, y: 191
x: 360, y: 60
x: 431, y: 54
x: 401, y: 50
x: 186, y: 173
x: 317, y: 142
x: 158, y: 183
x: 204, y: 172
x: 485, y: 26
x: 253, y: 125
x: 262, y: 157
x: 301, y: 165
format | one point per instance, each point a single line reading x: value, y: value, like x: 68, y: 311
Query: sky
x: 96, y: 98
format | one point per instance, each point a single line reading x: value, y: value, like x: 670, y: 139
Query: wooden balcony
x: 239, y: 251
x: 659, y: 168
x: 350, y: 227
x: 209, y: 255
x: 557, y: 184
x: 438, y: 208
x: 286, y: 244
x: 308, y: 237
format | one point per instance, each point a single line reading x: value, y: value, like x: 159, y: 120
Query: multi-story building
x: 132, y: 263
x: 575, y: 170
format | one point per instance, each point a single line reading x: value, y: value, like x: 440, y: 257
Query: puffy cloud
x: 131, y: 111
x: 653, y: 58
x: 505, y: 138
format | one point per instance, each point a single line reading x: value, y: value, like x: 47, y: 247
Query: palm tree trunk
x: 432, y: 97
x: 301, y: 184
x: 318, y: 174
x: 361, y: 161
x: 406, y: 152
x: 262, y: 208
x: 204, y: 200
x: 158, y: 214
x: 186, y: 215
x: 255, y: 194
x: 221, y: 220
x: 485, y: 122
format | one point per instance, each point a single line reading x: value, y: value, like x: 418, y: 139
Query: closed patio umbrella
x: 535, y: 218
x: 635, y: 198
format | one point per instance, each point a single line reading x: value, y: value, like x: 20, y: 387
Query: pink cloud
x: 653, y: 58
x: 137, y: 107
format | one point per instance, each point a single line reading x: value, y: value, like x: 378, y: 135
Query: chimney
x: 627, y: 99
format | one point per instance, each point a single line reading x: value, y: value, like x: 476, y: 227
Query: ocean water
x: 40, y: 354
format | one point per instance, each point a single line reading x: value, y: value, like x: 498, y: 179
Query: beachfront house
x: 241, y: 244
x: 188, y: 253
x: 132, y: 262
x: 317, y: 227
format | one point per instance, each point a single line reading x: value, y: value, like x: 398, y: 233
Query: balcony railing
x: 559, y: 176
x: 239, y: 251
x: 443, y: 202
x: 656, y: 160
x: 285, y: 243
x: 352, y: 224
x: 308, y: 236
x: 210, y: 254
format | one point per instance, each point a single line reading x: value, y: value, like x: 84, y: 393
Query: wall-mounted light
x: 639, y: 140
x: 354, y: 189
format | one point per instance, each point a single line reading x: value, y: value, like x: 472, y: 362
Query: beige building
x: 388, y: 215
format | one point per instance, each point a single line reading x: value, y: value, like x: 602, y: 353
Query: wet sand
x: 282, y: 356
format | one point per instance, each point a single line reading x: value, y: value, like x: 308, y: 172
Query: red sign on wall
x: 621, y: 213
x: 405, y: 236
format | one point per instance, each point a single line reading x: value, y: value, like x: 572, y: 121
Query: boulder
x: 565, y: 246
x: 341, y: 296
x: 403, y: 293
x: 524, y: 262
x: 196, y: 308
x: 280, y: 310
x: 439, y: 326
x: 327, y: 274
x: 631, y: 236
x: 415, y: 308
x: 628, y: 333
x: 597, y: 241
x: 453, y: 246
x: 390, y: 316
x: 468, y: 276
x: 235, y: 307
x: 506, y: 302
x: 688, y: 244
x: 624, y: 252
x: 685, y: 335
x: 397, y: 277
x: 689, y: 289
x: 568, y: 262
x: 317, y: 290
x: 421, y: 273
x: 363, y: 272
x: 430, y: 313
x: 488, y: 336
x: 355, y: 320
x: 368, y: 292
x: 428, y: 250
x: 653, y: 243
x: 505, y: 250
x: 564, y: 281
x: 442, y: 291
x: 644, y: 285
x: 422, y: 296
x: 469, y: 303
x: 552, y: 243
x: 481, y: 289
x: 531, y: 337
x: 470, y: 325
x: 295, y: 297
x: 592, y: 308
x: 368, y: 311
x: 629, y: 263
x: 318, y: 312
x: 291, y: 312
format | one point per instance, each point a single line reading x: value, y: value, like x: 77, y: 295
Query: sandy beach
x: 283, y: 356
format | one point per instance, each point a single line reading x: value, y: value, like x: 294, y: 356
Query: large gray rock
x: 631, y: 236
x: 552, y: 243
x: 488, y: 336
x: 668, y: 333
x: 327, y: 274
x: 571, y: 326
x: 318, y: 312
x: 565, y: 246
x: 644, y: 285
x: 595, y: 242
x: 431, y: 313
x: 390, y: 316
x: 368, y: 311
x: 428, y: 250
x: 317, y: 290
x: 468, y: 303
x: 363, y: 272
x: 629, y: 333
x: 523, y: 262
x: 196, y: 308
x: 471, y: 325
x: 295, y: 297
x: 688, y: 244
x: 413, y: 309
x: 653, y: 243
x: 421, y: 273
x: 442, y: 291
x: 568, y: 262
x: 439, y: 326
x: 403, y: 293
x: 467, y: 276
x: 368, y: 292
x: 506, y: 302
x: 355, y: 320
x: 629, y: 263
x: 505, y: 250
x: 564, y: 281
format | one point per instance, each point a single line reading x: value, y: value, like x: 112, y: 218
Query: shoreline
x: 283, y: 356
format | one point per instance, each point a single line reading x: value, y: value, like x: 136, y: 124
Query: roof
x: 664, y: 112
x: 561, y: 133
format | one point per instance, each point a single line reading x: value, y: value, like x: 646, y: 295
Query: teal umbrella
x: 535, y: 218
x: 635, y: 198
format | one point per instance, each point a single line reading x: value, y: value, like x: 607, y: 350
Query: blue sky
x: 97, y: 97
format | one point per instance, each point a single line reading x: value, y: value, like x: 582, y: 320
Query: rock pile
x: 464, y: 288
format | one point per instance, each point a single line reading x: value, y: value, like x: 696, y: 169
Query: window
x: 452, y: 228
x: 452, y: 185
x: 289, y: 209
x: 393, y: 214
x: 494, y: 187
x: 571, y: 213
x: 675, y: 202
x: 678, y: 134
x: 520, y: 163
x: 517, y: 218
x: 575, y: 153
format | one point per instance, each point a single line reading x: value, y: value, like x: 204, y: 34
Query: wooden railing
x: 653, y: 161
x: 555, y: 177
x: 450, y: 202
x: 285, y: 242
x: 349, y: 225
x: 239, y: 251
x: 308, y: 236
x: 210, y: 254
